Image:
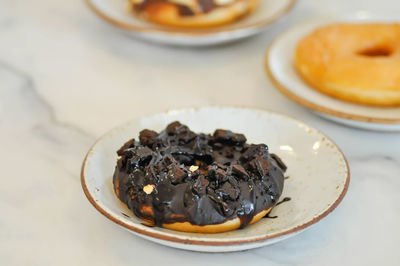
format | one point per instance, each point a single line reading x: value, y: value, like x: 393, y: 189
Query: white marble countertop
x: 66, y: 78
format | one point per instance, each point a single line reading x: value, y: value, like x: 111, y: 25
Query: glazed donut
x: 359, y: 63
x: 192, y: 13
x: 190, y: 182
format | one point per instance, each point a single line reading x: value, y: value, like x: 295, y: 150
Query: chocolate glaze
x: 198, y: 178
x: 205, y: 6
x: 285, y: 199
x: 270, y: 217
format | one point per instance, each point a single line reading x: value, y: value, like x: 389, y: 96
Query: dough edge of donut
x: 226, y: 226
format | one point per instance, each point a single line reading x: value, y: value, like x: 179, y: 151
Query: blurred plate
x: 317, y: 170
x: 118, y: 13
x: 279, y: 65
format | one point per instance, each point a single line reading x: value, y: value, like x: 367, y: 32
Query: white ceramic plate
x: 118, y: 13
x: 279, y: 65
x: 319, y: 176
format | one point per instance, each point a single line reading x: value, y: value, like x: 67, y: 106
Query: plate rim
x: 309, y: 104
x: 188, y: 32
x: 185, y: 241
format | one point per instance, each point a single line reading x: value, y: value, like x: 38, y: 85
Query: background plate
x: 279, y: 64
x: 118, y: 13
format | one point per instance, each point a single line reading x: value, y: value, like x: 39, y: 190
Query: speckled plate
x: 279, y: 64
x: 119, y: 14
x: 317, y: 169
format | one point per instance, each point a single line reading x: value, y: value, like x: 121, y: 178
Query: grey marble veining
x: 66, y: 78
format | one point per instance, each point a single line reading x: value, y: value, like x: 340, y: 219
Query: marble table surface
x: 66, y: 77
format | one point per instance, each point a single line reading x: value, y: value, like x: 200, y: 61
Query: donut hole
x: 376, y: 51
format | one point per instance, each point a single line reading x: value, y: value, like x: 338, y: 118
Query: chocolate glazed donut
x: 177, y: 177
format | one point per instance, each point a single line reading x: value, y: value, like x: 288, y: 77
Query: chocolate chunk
x: 221, y: 166
x: 176, y: 174
x: 217, y: 171
x: 143, y: 152
x: 279, y: 161
x: 172, y: 128
x: 238, y: 138
x: 263, y: 162
x: 220, y: 135
x: 182, y: 132
x: 185, y: 158
x: 228, y: 137
x: 233, y: 181
x: 254, y: 150
x: 186, y: 136
x: 260, y: 165
x: 221, y: 175
x: 127, y: 145
x: 228, y: 191
x: 168, y: 160
x: 147, y: 137
x: 129, y: 153
x: 200, y: 186
x: 239, y: 170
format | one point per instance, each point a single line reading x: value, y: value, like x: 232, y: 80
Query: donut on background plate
x: 192, y: 13
x: 359, y: 63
